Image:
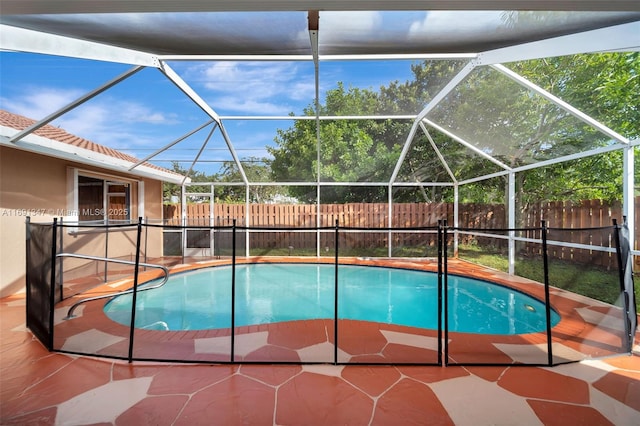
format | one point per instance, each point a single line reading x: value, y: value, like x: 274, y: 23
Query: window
x: 102, y: 200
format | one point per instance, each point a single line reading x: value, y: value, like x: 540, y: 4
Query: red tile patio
x: 39, y: 387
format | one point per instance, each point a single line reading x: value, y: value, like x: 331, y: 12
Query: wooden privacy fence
x: 361, y: 215
x: 565, y: 215
x: 558, y: 214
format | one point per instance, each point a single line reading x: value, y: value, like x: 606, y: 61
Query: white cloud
x: 112, y: 122
x: 335, y: 26
x: 303, y: 91
x: 84, y: 121
x: 117, y: 125
x: 38, y: 102
x: 260, y: 79
x: 133, y: 112
x: 254, y: 87
x: 449, y: 24
x: 240, y: 104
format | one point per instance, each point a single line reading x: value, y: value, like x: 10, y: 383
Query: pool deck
x: 39, y: 387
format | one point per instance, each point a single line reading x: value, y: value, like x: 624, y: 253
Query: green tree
x: 350, y: 151
x: 500, y: 118
x: 172, y: 189
x: 604, y: 86
x: 355, y: 150
x: 256, y: 170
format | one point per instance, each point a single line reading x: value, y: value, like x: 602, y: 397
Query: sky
x: 146, y: 111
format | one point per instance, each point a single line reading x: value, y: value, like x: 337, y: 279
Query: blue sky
x: 146, y: 111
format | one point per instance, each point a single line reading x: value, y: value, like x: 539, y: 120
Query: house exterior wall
x: 38, y: 186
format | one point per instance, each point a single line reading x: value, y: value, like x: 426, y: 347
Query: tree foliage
x: 349, y: 151
x: 499, y: 117
x: 170, y: 190
x: 605, y: 87
x: 256, y: 170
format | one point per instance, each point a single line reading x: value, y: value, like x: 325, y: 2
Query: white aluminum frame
x: 625, y: 37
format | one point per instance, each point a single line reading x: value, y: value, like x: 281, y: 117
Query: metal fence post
x: 439, y: 292
x: 445, y: 292
x: 233, y: 291
x: 135, y: 289
x: 335, y: 298
x: 146, y: 240
x: 61, y: 259
x: 547, y: 301
x: 106, y: 249
x: 52, y: 300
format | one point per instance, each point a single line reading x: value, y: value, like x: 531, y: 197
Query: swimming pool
x: 270, y: 293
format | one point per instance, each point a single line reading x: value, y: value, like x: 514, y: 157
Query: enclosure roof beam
x: 236, y: 58
x: 322, y: 117
x: 562, y: 104
x: 439, y: 97
x: 484, y: 177
x: 187, y: 90
x: 422, y: 184
x: 438, y: 153
x: 397, y: 57
x: 405, y: 150
x: 572, y: 157
x: 74, y: 104
x: 233, y: 152
x: 466, y: 144
x: 624, y: 37
x: 164, y: 148
x: 24, y: 40
x: 313, y: 184
x: 432, y: 104
x: 321, y: 58
x: 195, y: 160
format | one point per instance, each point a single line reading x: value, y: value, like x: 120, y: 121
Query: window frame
x: 134, y: 197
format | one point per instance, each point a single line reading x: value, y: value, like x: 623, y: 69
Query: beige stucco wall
x: 36, y: 185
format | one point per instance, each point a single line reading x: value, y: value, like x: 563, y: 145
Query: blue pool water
x: 268, y: 293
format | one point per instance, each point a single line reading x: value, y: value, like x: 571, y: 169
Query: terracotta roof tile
x: 48, y: 131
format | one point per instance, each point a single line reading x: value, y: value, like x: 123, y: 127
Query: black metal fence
x: 580, y: 310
